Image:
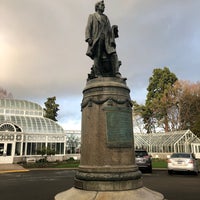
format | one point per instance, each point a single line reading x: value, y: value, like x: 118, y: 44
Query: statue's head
x: 99, y: 5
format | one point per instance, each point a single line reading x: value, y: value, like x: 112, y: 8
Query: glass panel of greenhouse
x: 25, y: 132
x: 28, y: 116
x: 178, y: 141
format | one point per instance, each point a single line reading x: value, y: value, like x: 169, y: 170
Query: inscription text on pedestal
x: 119, y: 127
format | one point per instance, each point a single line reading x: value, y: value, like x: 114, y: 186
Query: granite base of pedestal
x: 137, y: 194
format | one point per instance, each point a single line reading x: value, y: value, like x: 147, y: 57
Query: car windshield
x: 141, y: 153
x: 180, y: 155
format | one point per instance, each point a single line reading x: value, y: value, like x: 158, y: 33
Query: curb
x: 13, y: 171
x: 43, y: 169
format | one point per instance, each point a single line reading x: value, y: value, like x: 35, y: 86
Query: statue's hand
x: 115, y: 31
x: 90, y: 41
x: 113, y: 44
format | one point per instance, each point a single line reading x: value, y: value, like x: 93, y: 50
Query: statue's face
x: 101, y: 7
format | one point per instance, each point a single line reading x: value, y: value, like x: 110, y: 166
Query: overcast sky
x: 42, y: 47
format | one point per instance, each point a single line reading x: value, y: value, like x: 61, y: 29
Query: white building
x: 162, y: 145
x: 25, y: 132
x: 159, y: 145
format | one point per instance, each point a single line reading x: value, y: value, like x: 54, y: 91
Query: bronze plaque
x: 119, y: 127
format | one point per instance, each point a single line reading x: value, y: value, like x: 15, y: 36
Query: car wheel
x: 196, y: 173
x: 150, y: 169
x: 170, y: 172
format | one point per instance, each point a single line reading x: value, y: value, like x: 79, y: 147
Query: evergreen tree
x: 157, y: 102
x: 51, y: 108
x: 156, y: 110
x: 171, y: 104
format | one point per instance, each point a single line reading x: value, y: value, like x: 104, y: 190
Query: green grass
x: 159, y: 163
x: 44, y: 164
x: 156, y: 163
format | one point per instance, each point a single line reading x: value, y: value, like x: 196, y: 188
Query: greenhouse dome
x: 24, y: 131
x: 28, y: 116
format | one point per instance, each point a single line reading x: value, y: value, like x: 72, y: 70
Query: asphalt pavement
x: 45, y: 184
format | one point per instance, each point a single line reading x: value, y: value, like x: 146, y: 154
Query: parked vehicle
x: 183, y: 162
x: 143, y: 160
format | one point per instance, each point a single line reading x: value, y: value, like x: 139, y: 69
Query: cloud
x: 42, y: 47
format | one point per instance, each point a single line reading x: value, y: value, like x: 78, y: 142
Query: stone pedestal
x: 107, y: 168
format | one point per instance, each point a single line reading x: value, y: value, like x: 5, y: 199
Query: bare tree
x: 4, y: 94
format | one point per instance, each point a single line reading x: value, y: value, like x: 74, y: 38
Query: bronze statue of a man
x: 100, y: 37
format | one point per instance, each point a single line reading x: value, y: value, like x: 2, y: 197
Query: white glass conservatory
x: 24, y: 132
x: 164, y: 144
x: 159, y: 145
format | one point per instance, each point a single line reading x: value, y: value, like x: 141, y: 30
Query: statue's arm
x: 88, y: 30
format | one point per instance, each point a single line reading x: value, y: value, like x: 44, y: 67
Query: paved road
x: 44, y: 185
x: 179, y: 186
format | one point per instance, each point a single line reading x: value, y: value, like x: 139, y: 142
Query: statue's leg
x: 115, y: 64
x: 97, y: 71
x: 100, y: 46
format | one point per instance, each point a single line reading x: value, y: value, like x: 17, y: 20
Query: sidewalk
x: 6, y: 168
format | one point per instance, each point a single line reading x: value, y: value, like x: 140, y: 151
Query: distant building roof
x: 170, y: 138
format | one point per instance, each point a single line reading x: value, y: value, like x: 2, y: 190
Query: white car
x: 183, y: 162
